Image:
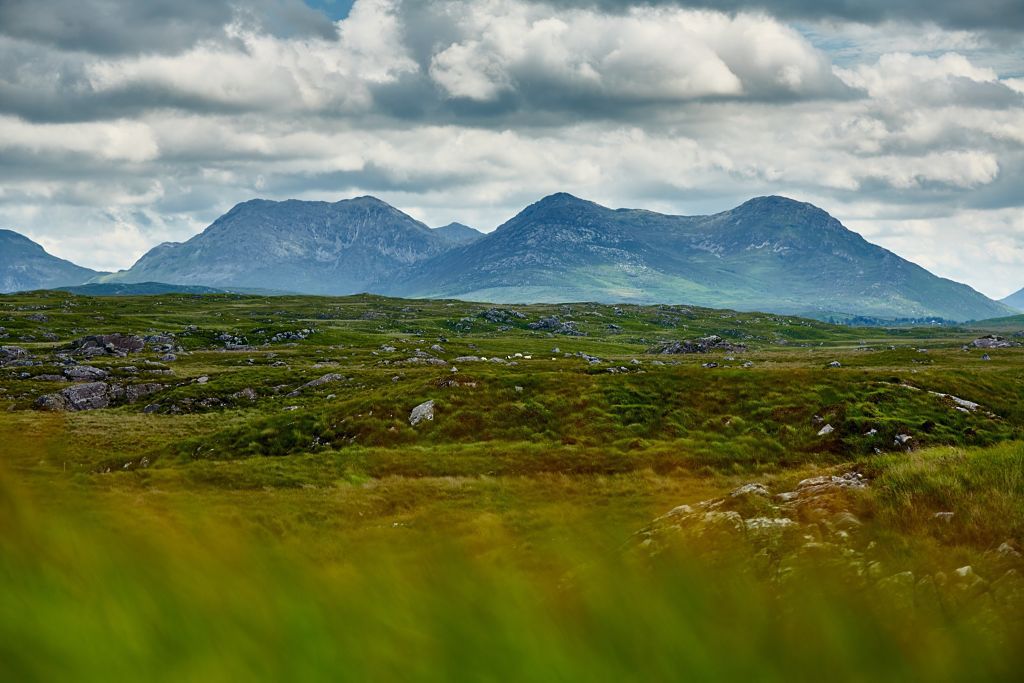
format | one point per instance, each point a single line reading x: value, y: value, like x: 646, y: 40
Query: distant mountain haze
x: 25, y: 265
x: 1015, y: 300
x: 770, y: 253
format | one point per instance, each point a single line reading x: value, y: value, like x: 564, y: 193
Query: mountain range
x: 1015, y: 300
x: 770, y: 253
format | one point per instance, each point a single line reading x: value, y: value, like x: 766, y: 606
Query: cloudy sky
x: 124, y: 124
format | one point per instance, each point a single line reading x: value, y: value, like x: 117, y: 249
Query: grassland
x: 238, y: 522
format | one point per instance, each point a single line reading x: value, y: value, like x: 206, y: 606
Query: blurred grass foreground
x: 110, y: 584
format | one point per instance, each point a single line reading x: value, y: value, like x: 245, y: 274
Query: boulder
x: 85, y: 373
x: 11, y: 353
x: 424, y: 411
x: 703, y: 345
x: 109, y: 344
x: 556, y: 326
x: 91, y: 396
x: 991, y: 341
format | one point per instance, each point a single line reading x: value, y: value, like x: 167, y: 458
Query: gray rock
x: 12, y: 353
x: 424, y: 411
x: 85, y: 373
x: 135, y: 392
x: 703, y: 345
x: 247, y: 394
x: 556, y: 326
x: 752, y: 489
x: 826, y: 430
x: 91, y: 396
x: 991, y: 341
x: 109, y: 344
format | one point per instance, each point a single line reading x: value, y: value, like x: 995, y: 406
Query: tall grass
x: 90, y: 591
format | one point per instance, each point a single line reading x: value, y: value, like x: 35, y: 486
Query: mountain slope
x: 1015, y: 301
x: 771, y: 253
x: 295, y: 246
x: 457, y: 233
x: 25, y: 265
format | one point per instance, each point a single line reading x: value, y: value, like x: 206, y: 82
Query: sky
x: 124, y: 124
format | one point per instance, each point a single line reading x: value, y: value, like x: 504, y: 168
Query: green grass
x: 321, y: 536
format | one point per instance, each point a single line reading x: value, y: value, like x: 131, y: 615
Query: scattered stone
x: 424, y: 411
x: 247, y: 394
x: 554, y: 325
x: 835, y: 364
x: 902, y: 440
x: 991, y: 341
x: 501, y: 315
x: 752, y: 489
x: 826, y: 430
x: 320, y: 381
x: 943, y: 516
x: 13, y: 353
x: 703, y: 345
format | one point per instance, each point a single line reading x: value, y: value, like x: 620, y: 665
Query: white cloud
x: 128, y: 141
x: 467, y: 111
x: 647, y: 54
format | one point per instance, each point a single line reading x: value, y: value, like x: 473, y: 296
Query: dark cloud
x: 144, y: 26
x: 999, y: 15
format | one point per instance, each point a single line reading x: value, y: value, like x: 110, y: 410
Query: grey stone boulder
x: 109, y: 344
x: 91, y: 396
x: 85, y: 373
x: 703, y: 345
x: 13, y: 353
x: 422, y: 412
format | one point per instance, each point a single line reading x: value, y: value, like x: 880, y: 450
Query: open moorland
x: 225, y: 487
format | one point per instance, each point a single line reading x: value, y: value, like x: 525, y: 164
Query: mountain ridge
x: 26, y: 265
x: 769, y: 253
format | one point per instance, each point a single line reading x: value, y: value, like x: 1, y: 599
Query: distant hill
x: 1015, y: 301
x: 771, y: 253
x: 294, y: 246
x: 137, y: 289
x: 1012, y: 323
x: 25, y: 265
x: 457, y: 233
